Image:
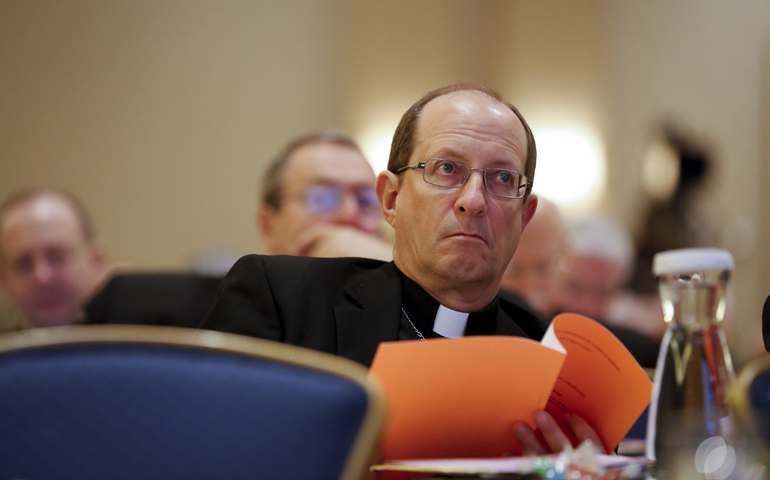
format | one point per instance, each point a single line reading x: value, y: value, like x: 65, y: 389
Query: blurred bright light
x: 570, y: 166
x: 377, y: 148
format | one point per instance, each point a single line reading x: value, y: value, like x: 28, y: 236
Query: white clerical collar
x: 450, y: 324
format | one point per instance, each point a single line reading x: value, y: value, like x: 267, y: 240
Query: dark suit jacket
x: 172, y: 299
x: 342, y: 306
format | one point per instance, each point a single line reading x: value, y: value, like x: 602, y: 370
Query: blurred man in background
x: 599, y: 264
x: 53, y: 271
x: 50, y: 262
x: 601, y: 255
x: 578, y: 273
x: 534, y: 271
x: 319, y: 201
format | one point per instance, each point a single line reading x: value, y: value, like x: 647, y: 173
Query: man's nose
x: 43, y: 272
x: 350, y: 212
x: 473, y: 195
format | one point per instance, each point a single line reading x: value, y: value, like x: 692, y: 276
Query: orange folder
x: 460, y: 398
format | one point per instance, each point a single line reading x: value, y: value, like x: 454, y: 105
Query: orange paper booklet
x: 460, y: 398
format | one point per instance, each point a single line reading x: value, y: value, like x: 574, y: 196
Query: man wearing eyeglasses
x: 457, y: 193
x: 318, y: 200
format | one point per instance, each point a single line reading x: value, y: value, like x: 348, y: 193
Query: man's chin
x: 468, y: 270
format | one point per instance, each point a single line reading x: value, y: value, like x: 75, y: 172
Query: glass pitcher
x: 694, y: 370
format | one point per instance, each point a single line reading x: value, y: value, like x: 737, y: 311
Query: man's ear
x: 265, y: 221
x: 528, y: 210
x: 387, y: 191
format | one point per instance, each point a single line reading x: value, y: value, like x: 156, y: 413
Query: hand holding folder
x: 460, y: 398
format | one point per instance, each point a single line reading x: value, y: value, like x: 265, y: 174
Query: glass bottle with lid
x: 694, y: 368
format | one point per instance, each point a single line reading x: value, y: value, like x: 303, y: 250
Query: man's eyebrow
x: 448, y: 153
x: 506, y: 164
x: 452, y: 154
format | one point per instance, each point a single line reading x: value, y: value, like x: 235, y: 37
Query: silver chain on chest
x: 412, y: 324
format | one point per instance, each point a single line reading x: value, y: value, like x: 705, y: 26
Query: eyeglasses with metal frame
x: 453, y: 174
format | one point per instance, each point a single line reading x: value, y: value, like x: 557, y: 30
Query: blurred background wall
x: 161, y: 115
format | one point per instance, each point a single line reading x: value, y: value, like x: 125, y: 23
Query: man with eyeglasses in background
x: 318, y: 200
x: 457, y: 193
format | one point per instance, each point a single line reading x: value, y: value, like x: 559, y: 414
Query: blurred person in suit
x: 318, y: 200
x: 50, y: 262
x: 53, y: 272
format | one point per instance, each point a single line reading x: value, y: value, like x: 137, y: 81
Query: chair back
x: 144, y: 402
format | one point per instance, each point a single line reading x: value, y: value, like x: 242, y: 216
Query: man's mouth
x: 469, y: 236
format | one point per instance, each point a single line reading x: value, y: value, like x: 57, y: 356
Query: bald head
x: 534, y: 272
x: 49, y: 264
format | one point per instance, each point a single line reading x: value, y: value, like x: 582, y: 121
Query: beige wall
x: 162, y: 114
